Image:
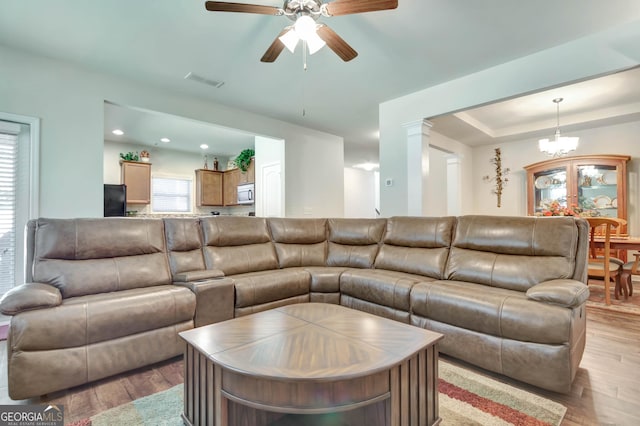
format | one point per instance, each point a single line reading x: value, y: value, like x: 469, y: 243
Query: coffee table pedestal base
x: 404, y: 395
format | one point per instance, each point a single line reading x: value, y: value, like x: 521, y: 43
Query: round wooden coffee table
x: 310, y: 359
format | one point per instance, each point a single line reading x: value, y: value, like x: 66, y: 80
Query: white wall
x: 437, y: 184
x: 594, y: 55
x: 359, y: 193
x: 616, y: 139
x: 70, y: 102
x: 269, y: 152
x: 314, y: 171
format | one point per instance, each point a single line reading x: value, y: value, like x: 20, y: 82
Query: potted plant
x: 244, y: 159
x: 129, y: 156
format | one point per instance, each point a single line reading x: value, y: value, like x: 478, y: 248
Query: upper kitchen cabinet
x: 230, y: 183
x: 209, y: 188
x: 597, y: 184
x: 250, y: 175
x: 137, y: 177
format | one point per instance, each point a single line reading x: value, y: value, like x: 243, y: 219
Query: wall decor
x: 500, y: 178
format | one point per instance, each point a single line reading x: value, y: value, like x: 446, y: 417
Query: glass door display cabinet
x: 591, y: 185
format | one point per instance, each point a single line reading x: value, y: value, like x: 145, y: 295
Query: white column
x: 454, y: 184
x: 418, y: 133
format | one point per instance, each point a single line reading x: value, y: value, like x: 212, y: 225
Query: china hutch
x: 595, y: 184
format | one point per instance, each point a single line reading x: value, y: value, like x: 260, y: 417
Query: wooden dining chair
x: 628, y: 270
x: 604, y: 266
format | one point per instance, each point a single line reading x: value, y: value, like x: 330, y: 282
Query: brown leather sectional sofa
x: 108, y: 295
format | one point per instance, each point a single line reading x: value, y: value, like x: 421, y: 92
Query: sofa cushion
x: 512, y: 252
x: 386, y: 288
x: 236, y: 245
x: 298, y: 231
x: 83, y: 320
x: 255, y: 288
x: 241, y: 259
x: 325, y: 279
x: 494, y: 311
x: 184, y: 244
x: 226, y: 231
x: 88, y: 256
x: 417, y: 245
x: 354, y: 242
x: 299, y: 242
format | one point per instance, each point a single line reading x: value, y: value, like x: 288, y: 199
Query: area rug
x: 596, y: 300
x: 466, y: 398
x: 4, y: 331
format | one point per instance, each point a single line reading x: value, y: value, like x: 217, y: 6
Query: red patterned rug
x: 465, y: 398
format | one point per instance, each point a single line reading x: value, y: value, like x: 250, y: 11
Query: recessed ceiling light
x: 204, y: 146
x: 118, y: 132
x: 165, y: 140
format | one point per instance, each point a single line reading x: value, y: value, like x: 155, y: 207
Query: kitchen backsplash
x: 145, y: 211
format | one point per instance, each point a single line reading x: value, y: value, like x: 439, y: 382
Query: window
x: 171, y: 195
x: 8, y: 193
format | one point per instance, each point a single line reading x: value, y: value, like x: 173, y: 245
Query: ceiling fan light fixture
x: 305, y: 27
x: 290, y: 40
x: 315, y: 43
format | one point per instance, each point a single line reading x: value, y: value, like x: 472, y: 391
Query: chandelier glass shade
x: 560, y: 145
x: 305, y: 29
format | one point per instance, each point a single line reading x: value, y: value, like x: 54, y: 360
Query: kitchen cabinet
x: 136, y: 176
x: 250, y: 175
x: 209, y: 190
x: 597, y: 184
x: 231, y: 179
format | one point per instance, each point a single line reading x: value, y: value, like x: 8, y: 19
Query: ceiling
x: 148, y: 128
x: 418, y: 45
x: 602, y: 101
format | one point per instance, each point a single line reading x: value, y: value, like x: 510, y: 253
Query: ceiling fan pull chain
x: 304, y: 54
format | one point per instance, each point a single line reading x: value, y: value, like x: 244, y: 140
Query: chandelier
x: 560, y: 145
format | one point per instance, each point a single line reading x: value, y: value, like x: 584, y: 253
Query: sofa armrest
x: 190, y: 276
x: 214, y: 299
x: 29, y: 296
x: 564, y: 292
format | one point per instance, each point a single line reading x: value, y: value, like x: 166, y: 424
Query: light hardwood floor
x: 606, y: 390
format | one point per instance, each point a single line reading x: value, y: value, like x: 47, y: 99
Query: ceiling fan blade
x: 348, y: 7
x: 275, y: 49
x: 336, y: 43
x: 221, y: 6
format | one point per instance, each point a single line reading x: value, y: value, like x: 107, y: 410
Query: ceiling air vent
x: 203, y: 80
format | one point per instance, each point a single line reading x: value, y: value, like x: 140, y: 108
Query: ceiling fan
x: 305, y: 14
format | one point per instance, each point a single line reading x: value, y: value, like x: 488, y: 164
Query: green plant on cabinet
x: 244, y: 159
x: 129, y: 156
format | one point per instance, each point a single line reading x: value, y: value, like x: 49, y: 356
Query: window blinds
x: 171, y: 195
x: 8, y: 193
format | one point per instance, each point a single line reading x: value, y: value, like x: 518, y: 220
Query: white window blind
x: 8, y: 192
x: 171, y: 195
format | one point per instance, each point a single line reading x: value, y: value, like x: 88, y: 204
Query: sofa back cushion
x: 236, y: 245
x: 88, y: 256
x: 417, y: 245
x: 354, y: 242
x: 299, y: 242
x: 184, y: 244
x: 513, y: 252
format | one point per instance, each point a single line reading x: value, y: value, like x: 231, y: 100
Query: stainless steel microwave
x: 245, y: 193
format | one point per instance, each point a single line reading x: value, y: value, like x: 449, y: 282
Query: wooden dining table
x: 619, y: 243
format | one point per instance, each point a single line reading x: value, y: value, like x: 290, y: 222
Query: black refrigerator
x: 115, y: 200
